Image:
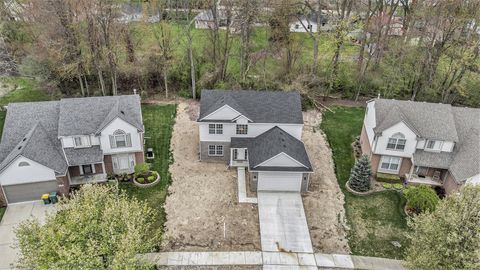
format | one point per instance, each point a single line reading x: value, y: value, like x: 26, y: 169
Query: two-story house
x: 257, y: 130
x: 54, y: 145
x: 425, y: 143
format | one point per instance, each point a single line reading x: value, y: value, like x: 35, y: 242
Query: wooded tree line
x: 419, y: 50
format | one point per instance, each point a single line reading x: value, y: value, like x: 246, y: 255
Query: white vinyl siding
x: 396, y: 142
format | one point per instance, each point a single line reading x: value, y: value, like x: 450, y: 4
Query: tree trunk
x: 80, y: 81
x: 192, y: 70
x: 165, y: 81
x: 101, y: 81
x: 86, y: 85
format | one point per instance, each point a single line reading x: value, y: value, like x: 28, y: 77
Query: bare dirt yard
x: 202, y: 208
x: 324, y: 203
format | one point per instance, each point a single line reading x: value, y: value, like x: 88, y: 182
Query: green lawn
x: 25, y: 90
x: 375, y: 220
x: 2, y: 212
x: 158, y: 121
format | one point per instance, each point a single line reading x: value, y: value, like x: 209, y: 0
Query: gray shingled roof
x: 428, y: 120
x: 35, y: 122
x: 31, y: 129
x: 442, y: 122
x: 271, y: 143
x: 85, y: 116
x: 258, y: 106
x: 83, y: 156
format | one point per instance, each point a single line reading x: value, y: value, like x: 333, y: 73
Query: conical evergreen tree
x: 360, y: 175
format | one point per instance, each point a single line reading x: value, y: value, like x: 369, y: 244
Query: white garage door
x: 29, y: 192
x: 279, y: 181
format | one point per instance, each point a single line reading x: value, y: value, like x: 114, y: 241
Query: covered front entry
x: 279, y: 181
x: 29, y: 191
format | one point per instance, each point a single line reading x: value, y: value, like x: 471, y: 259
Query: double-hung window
x: 396, y: 142
x: 215, y: 128
x: 242, y: 129
x: 81, y: 141
x: 215, y: 150
x: 433, y: 145
x: 389, y: 163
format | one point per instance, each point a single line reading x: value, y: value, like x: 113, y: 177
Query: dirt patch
x: 324, y: 203
x: 202, y: 208
x: 335, y: 101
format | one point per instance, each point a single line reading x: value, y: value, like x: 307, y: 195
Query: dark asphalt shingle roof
x: 83, y: 156
x: 271, y: 143
x: 85, y: 116
x: 259, y: 106
x: 441, y: 122
x: 36, y: 122
x: 40, y: 124
x: 428, y: 120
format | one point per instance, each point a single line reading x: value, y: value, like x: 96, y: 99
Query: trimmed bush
x: 388, y: 178
x: 141, y: 169
x: 421, y: 198
x: 397, y: 186
x: 387, y: 185
x: 141, y: 180
x: 360, y: 175
x: 151, y: 178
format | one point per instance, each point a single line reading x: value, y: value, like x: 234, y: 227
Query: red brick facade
x: 365, y: 143
x: 450, y: 185
x: 63, y: 185
x: 107, y: 159
x: 139, y: 157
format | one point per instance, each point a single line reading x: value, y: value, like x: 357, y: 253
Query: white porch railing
x: 85, y: 179
x: 425, y: 180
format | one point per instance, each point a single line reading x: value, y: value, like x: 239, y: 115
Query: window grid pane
x: 219, y: 150
x: 211, y: 129
x: 242, y: 129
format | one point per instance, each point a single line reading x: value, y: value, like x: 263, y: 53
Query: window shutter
x: 129, y: 140
x: 112, y: 141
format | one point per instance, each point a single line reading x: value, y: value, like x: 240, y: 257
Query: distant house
x: 394, y: 24
x: 54, y: 145
x: 257, y: 130
x: 303, y: 24
x: 206, y: 20
x: 426, y: 143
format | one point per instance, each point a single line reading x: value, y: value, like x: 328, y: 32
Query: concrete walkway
x: 242, y: 187
x: 15, y: 214
x: 272, y: 260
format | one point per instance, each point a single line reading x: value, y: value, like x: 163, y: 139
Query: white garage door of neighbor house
x: 29, y: 191
x: 279, y: 181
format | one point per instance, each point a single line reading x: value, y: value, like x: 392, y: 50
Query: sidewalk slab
x: 280, y: 258
x: 289, y: 267
x: 362, y: 262
x: 324, y: 260
x: 307, y: 259
x: 343, y: 261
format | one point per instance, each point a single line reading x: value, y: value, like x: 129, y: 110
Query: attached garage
x: 29, y: 191
x: 279, y: 181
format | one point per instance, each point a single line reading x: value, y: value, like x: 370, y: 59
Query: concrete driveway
x: 283, y: 226
x: 15, y: 214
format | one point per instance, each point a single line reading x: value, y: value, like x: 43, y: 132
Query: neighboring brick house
x: 54, y: 145
x: 257, y: 130
x: 427, y: 143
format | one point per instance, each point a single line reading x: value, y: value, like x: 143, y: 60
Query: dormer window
x: 81, y: 141
x: 433, y: 145
x: 120, y: 139
x: 242, y: 129
x: 396, y: 142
